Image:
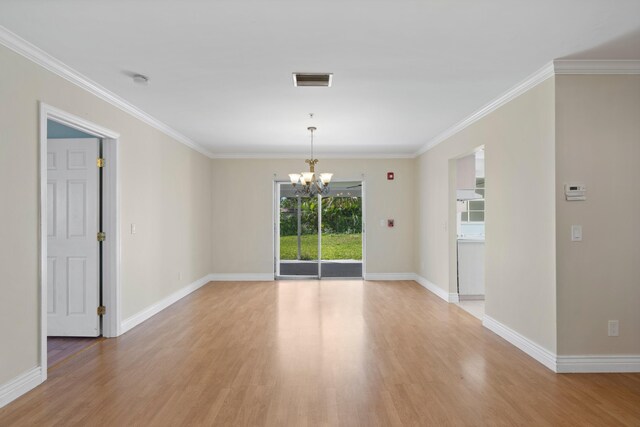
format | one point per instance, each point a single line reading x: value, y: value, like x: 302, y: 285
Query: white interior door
x: 72, y: 245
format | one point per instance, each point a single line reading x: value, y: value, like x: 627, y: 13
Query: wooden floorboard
x: 59, y: 348
x: 318, y: 353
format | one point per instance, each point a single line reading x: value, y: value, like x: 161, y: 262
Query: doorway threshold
x: 60, y: 349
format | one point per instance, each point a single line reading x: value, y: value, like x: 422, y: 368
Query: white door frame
x: 319, y: 202
x: 276, y: 228
x: 364, y: 229
x: 110, y: 223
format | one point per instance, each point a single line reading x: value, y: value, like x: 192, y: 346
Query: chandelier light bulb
x: 294, y: 177
x: 326, y: 178
x: 307, y: 176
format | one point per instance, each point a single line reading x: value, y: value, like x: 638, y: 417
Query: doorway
x: 470, y: 231
x: 79, y: 240
x: 74, y: 261
x: 321, y: 236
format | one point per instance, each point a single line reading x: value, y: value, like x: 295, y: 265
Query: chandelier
x: 306, y: 183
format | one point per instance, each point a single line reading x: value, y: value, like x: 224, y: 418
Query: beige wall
x: 164, y: 190
x: 197, y: 216
x: 520, y: 212
x: 243, y: 211
x: 598, y: 144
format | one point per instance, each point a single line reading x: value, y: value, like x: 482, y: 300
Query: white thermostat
x: 574, y: 192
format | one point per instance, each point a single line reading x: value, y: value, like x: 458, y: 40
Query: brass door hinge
x: 100, y: 162
x: 101, y: 236
x: 102, y: 310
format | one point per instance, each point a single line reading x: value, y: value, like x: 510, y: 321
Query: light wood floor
x: 60, y: 348
x: 328, y: 353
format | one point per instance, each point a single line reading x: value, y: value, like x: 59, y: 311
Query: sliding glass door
x: 319, y: 237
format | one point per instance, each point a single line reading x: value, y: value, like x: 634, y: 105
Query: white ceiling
x: 404, y: 71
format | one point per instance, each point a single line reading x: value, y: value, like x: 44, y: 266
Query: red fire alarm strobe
x: 390, y: 176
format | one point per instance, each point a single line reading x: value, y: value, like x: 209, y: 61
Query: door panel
x: 341, y: 237
x: 72, y: 246
x: 76, y: 284
x: 52, y: 285
x: 76, y: 209
x: 298, y: 234
x: 52, y: 192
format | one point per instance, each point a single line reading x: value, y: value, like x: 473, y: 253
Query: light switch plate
x: 614, y: 328
x: 576, y: 233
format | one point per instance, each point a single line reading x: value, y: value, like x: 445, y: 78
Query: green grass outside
x: 334, y: 246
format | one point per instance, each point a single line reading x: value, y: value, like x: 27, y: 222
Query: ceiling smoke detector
x: 141, y: 79
x: 312, y: 79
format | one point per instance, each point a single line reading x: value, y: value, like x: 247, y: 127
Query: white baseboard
x: 433, y: 288
x: 471, y: 298
x: 595, y: 364
x: 20, y: 385
x: 154, y: 309
x: 389, y: 276
x: 534, y: 350
x: 242, y: 277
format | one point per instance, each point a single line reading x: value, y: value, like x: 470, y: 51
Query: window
x: 474, y: 209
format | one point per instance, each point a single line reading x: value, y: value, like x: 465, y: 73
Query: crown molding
x: 40, y: 57
x: 35, y: 54
x: 323, y: 156
x: 533, y: 80
x: 558, y: 66
x: 582, y: 66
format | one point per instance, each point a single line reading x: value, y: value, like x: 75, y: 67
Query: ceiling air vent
x: 312, y: 79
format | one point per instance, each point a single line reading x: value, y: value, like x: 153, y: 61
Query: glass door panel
x: 341, y: 226
x: 298, y: 234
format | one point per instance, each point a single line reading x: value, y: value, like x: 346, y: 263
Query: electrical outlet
x: 614, y: 328
x: 180, y: 276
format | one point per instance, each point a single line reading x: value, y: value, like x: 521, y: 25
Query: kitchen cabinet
x: 471, y: 253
